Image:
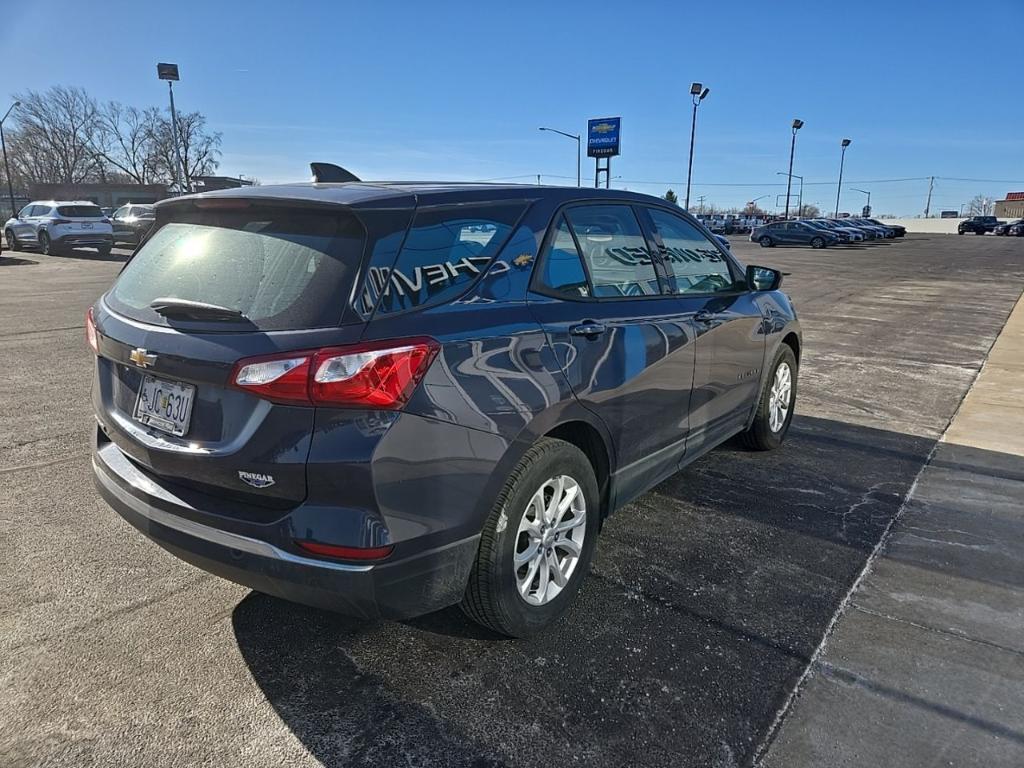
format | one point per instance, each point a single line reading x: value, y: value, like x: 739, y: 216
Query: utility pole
x: 928, y: 204
x: 7, y: 167
x: 701, y: 198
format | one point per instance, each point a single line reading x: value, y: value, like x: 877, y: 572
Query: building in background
x: 1012, y: 207
x: 104, y: 195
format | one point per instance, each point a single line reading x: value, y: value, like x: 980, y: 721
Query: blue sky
x: 456, y: 90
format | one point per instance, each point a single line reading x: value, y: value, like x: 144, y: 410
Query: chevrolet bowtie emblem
x: 142, y: 358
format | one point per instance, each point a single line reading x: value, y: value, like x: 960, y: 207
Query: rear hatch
x: 80, y: 219
x: 211, y: 286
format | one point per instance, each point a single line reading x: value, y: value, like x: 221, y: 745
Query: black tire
x: 12, y: 241
x: 104, y: 251
x: 492, y: 597
x: 45, y: 246
x: 765, y: 241
x: 818, y: 242
x: 979, y: 231
x: 760, y: 436
x: 959, y: 231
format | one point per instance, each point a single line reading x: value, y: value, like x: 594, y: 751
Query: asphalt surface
x: 707, y: 599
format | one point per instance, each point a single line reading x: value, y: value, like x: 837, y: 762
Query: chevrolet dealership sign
x: 603, y: 136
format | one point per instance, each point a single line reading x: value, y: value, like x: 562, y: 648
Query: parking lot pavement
x: 707, y: 600
x: 926, y: 665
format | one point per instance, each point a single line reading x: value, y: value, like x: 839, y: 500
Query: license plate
x: 87, y: 226
x: 166, y: 405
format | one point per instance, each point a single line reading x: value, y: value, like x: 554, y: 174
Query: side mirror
x: 763, y: 278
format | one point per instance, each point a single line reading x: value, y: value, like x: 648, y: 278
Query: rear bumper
x: 84, y: 240
x: 427, y: 581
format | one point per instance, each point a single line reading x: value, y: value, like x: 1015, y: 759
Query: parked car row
x: 822, y: 233
x: 1011, y: 228
x: 54, y: 227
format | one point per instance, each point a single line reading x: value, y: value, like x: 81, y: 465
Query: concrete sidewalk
x: 925, y: 667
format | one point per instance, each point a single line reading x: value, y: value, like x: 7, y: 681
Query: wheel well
x: 588, y: 440
x: 793, y: 341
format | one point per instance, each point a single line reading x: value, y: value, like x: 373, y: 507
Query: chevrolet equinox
x: 385, y: 398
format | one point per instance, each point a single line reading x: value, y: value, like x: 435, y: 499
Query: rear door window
x: 615, y: 251
x: 445, y: 250
x: 283, y: 269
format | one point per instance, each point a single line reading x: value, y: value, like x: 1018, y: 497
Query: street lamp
x: 169, y: 72
x: 800, y: 194
x: 839, y: 187
x: 7, y: 168
x: 575, y: 136
x: 698, y: 93
x: 863, y: 192
x: 797, y: 125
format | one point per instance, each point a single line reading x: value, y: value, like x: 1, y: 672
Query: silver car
x: 54, y: 227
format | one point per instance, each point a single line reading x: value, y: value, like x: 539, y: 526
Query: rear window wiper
x: 183, y: 309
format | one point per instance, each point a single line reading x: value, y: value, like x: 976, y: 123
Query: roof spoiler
x: 326, y: 173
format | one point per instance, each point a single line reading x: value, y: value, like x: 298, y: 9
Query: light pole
x: 800, y: 194
x: 863, y: 192
x: 839, y: 187
x: 7, y: 168
x: 169, y: 72
x: 575, y: 136
x: 797, y: 125
x: 698, y: 93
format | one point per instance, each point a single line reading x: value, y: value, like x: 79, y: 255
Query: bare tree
x: 125, y: 140
x: 980, y: 205
x: 200, y: 150
x: 55, y: 136
x: 808, y: 211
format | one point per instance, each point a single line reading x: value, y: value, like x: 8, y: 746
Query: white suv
x: 53, y: 227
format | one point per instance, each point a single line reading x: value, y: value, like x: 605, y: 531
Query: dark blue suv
x: 387, y: 398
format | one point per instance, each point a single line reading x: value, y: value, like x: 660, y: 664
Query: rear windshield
x: 80, y: 211
x: 283, y: 269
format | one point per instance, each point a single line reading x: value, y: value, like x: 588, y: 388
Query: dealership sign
x: 603, y: 136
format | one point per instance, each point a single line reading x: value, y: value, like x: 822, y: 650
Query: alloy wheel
x: 550, y: 540
x: 779, y: 398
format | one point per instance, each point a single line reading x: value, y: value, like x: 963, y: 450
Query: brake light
x: 60, y: 221
x: 345, y: 553
x: 377, y: 374
x: 90, y: 332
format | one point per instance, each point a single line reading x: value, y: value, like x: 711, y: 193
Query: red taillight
x: 374, y: 375
x: 90, y: 332
x: 345, y: 553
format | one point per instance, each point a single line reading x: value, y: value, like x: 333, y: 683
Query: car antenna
x: 325, y: 173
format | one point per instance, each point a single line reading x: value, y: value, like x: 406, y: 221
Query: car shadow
x: 706, y: 600
x: 88, y: 254
x: 14, y: 261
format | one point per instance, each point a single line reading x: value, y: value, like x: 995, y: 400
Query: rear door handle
x: 704, y: 316
x: 589, y: 328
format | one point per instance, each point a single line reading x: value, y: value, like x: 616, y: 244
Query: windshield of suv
x: 80, y: 211
x: 282, y: 269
